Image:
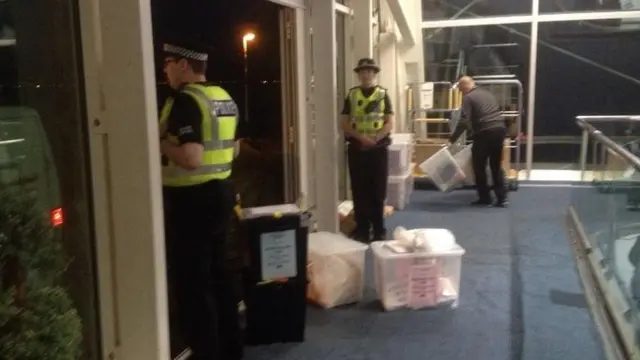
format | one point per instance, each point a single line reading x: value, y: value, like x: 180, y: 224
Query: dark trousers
x: 197, y: 220
x: 368, y: 170
x: 488, y: 146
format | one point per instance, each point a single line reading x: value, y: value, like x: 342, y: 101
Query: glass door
x: 47, y: 256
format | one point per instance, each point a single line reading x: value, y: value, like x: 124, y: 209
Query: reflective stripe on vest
x: 367, y: 113
x: 219, y: 121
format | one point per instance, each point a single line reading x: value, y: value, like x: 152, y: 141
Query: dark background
x: 583, y: 68
x: 221, y: 25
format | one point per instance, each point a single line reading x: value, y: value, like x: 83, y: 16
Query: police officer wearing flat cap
x: 367, y: 120
x: 197, y: 126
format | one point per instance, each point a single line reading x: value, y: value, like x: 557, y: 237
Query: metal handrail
x: 590, y: 130
x: 607, y: 118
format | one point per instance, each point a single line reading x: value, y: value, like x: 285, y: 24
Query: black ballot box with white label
x: 276, y: 276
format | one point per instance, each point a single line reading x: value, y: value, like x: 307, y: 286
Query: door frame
x: 289, y: 89
x: 122, y: 114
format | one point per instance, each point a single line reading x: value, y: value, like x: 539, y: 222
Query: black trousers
x: 197, y: 220
x: 488, y: 146
x: 369, y: 170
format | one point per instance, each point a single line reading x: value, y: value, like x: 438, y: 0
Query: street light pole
x: 245, y: 42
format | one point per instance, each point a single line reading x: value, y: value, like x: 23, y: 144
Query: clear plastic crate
x: 399, y: 190
x: 463, y: 158
x: 400, y: 153
x: 417, y: 280
x: 443, y: 169
x: 335, y: 270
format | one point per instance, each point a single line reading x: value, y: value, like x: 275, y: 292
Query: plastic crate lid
x: 401, y: 138
x: 401, y: 178
x: 270, y: 211
x: 381, y: 251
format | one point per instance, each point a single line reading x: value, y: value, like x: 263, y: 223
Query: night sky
x: 220, y: 25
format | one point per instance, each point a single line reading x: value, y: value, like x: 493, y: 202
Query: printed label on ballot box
x: 424, y: 286
x: 278, y: 255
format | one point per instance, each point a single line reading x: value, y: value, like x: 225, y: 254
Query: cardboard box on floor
x: 347, y: 220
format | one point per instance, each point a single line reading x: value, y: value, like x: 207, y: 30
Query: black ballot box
x: 276, y: 276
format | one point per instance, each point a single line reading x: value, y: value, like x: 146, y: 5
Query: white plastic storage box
x: 335, y: 269
x: 417, y: 280
x: 443, y: 169
x: 399, y: 190
x: 463, y: 158
x: 400, y: 153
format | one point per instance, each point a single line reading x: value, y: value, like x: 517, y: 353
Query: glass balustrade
x: 607, y: 205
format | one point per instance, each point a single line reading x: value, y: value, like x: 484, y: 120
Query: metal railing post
x: 584, y: 148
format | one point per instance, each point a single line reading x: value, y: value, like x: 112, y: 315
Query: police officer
x: 367, y: 120
x: 197, y: 126
x: 481, y: 113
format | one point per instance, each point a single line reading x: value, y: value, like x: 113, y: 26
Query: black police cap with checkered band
x: 186, y: 50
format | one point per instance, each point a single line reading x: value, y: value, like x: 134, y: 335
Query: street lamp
x: 246, y: 39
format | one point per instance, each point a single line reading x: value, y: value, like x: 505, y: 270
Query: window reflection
x: 587, y: 5
x: 583, y: 68
x: 457, y: 9
x: 48, y: 294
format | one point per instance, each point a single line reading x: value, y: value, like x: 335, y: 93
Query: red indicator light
x: 57, y: 217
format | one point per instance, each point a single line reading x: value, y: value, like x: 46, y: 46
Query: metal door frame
x: 290, y: 105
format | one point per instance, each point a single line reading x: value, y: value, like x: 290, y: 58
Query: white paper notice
x: 426, y: 95
x: 278, y: 255
x: 424, y: 286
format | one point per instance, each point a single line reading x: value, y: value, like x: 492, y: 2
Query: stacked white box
x: 443, y: 169
x: 335, y: 270
x: 399, y: 190
x: 400, y: 153
x: 417, y: 280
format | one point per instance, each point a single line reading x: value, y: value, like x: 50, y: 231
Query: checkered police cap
x: 185, y: 52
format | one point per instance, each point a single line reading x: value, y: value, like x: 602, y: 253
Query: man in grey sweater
x: 481, y: 114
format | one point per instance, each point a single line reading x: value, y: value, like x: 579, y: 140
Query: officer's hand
x: 367, y: 141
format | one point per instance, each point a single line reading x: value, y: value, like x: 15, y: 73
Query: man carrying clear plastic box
x: 481, y: 112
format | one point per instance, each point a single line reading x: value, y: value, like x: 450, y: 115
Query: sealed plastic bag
x: 335, y: 269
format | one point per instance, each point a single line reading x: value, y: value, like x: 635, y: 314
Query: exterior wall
x: 401, y: 60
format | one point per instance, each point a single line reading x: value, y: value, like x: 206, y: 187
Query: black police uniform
x: 197, y: 220
x: 368, y: 170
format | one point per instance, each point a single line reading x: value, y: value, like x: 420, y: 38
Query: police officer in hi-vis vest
x: 367, y: 120
x: 198, y: 127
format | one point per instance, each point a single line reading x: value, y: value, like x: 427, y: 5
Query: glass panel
x: 608, y: 212
x: 561, y: 6
x: 497, y: 56
x: 46, y: 237
x: 457, y: 9
x: 582, y: 69
x: 492, y: 50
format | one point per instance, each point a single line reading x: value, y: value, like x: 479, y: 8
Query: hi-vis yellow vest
x: 219, y: 121
x: 367, y: 112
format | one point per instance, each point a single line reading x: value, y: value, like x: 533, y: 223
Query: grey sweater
x: 480, y: 112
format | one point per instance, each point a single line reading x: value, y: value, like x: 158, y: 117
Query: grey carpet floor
x: 520, y: 294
